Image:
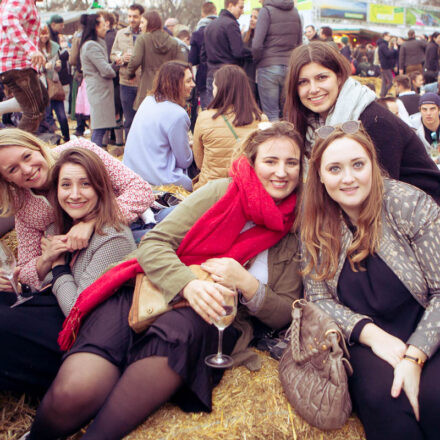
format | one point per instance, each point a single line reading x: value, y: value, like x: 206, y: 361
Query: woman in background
x: 157, y: 146
x: 50, y: 50
x: 231, y: 116
x: 370, y: 248
x: 152, y: 49
x: 98, y: 74
x: 249, y: 66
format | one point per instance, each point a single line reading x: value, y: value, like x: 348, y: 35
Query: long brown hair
x: 234, y: 94
x: 154, y: 20
x: 106, y: 211
x: 318, y: 52
x: 321, y: 215
x: 168, y: 82
x: 44, y: 30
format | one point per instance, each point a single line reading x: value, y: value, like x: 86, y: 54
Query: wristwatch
x: 414, y: 359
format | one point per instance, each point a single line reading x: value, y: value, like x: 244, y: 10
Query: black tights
x: 88, y: 386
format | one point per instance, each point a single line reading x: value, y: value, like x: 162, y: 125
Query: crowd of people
x: 302, y: 182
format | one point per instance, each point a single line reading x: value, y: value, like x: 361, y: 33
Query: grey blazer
x: 91, y: 263
x: 98, y: 75
x: 410, y: 246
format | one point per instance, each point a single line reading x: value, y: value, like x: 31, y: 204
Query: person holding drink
x: 241, y: 231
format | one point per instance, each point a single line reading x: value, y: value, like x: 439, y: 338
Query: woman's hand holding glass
x: 230, y: 272
x: 6, y: 283
x: 206, y: 298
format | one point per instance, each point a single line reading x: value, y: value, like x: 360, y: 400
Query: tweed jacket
x: 410, y: 247
x: 90, y: 263
x: 157, y: 256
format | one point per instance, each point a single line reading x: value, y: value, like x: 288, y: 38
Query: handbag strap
x: 230, y: 128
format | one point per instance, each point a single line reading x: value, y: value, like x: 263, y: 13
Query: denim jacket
x: 410, y: 247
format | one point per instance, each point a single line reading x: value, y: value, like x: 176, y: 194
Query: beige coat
x: 124, y: 43
x: 214, y: 144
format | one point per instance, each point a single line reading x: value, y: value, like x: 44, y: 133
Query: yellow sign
x: 304, y: 5
x: 386, y: 14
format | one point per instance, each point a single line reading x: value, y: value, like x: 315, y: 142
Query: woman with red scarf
x: 241, y: 231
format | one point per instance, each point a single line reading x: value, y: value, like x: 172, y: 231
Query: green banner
x: 422, y: 17
x: 386, y: 14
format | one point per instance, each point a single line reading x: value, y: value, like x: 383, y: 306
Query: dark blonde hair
x: 10, y: 201
x: 321, y: 215
x: 106, y: 211
x: 318, y: 52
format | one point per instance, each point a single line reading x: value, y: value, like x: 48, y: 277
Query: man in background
x: 310, y: 33
x: 412, y: 54
x: 20, y: 58
x: 121, y: 53
x: 223, y: 43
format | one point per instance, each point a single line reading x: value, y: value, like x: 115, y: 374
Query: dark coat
x: 197, y: 38
x: 223, y: 43
x: 387, y: 56
x: 431, y: 57
x: 278, y: 32
x: 411, y: 102
x: 412, y: 52
x: 400, y: 151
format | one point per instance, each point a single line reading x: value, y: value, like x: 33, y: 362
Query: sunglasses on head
x: 348, y: 127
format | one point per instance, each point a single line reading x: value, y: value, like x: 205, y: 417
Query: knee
x: 67, y: 395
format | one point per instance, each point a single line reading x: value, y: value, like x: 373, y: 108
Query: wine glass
x: 7, y: 267
x: 221, y: 360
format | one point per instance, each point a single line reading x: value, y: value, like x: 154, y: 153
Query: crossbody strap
x: 231, y: 128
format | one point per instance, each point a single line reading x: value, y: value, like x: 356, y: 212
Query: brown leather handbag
x: 149, y: 302
x: 313, y: 369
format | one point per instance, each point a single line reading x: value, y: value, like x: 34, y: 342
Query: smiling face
x: 101, y: 28
x: 143, y: 24
x: 346, y: 173
x: 277, y: 165
x: 76, y: 195
x: 188, y: 83
x: 134, y: 19
x: 24, y: 167
x: 254, y: 18
x: 318, y: 88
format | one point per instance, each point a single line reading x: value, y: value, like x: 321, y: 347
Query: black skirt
x: 30, y: 356
x: 181, y: 335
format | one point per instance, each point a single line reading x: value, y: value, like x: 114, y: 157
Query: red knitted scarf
x: 216, y: 234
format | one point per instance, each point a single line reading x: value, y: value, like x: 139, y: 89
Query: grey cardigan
x: 102, y: 251
x: 410, y: 247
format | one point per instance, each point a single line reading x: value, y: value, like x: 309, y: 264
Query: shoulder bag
x: 149, y: 302
x: 313, y: 369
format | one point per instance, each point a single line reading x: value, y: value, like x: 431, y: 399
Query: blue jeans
x: 30, y: 93
x: 270, y: 81
x: 98, y: 135
x: 128, y: 95
x: 58, y: 106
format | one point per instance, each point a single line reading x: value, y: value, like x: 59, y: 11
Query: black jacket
x: 400, y: 151
x: 194, y: 57
x: 411, y: 102
x: 431, y: 57
x: 387, y: 56
x: 223, y: 43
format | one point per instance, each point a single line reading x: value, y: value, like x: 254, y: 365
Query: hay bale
x: 246, y: 405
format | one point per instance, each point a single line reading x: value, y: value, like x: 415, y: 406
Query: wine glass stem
x: 220, y: 343
x: 14, y: 286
